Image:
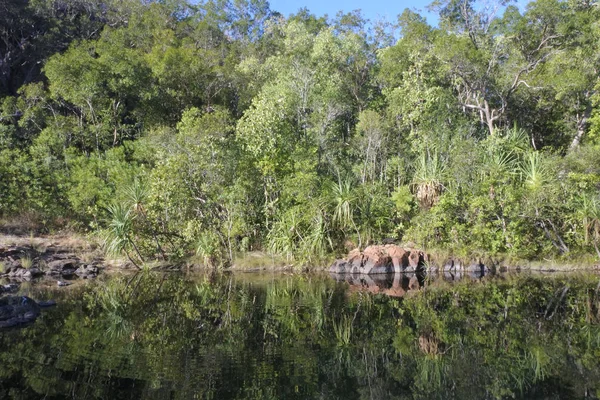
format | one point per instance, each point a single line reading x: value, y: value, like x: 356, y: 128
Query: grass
x: 26, y: 262
x: 343, y: 331
x: 258, y: 260
x: 2, y: 267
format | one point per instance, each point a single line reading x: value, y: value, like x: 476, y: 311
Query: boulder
x: 338, y: 267
x: 355, y: 261
x: 35, y: 272
x: 381, y: 259
x: 88, y: 270
x: 63, y: 267
x: 415, y: 261
x: 448, y: 265
x: 10, y: 288
x: 399, y: 257
x: 61, y: 256
x: 19, y: 310
x: 376, y: 261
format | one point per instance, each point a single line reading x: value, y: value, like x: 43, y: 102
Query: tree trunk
x: 581, y: 128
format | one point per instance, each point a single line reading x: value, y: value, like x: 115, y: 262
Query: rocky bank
x: 391, y: 258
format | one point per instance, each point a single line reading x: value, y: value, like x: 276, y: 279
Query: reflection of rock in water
x: 396, y: 285
x: 458, y: 275
x: 19, y: 310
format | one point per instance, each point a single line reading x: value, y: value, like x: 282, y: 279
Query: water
x: 304, y: 337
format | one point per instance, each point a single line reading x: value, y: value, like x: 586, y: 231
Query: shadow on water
x: 156, y: 336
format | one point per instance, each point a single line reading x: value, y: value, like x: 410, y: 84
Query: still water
x: 154, y: 336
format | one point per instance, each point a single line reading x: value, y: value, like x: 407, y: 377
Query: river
x: 276, y: 336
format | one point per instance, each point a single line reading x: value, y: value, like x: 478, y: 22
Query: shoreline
x: 47, y: 251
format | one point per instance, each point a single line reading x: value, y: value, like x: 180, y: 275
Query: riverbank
x: 70, y: 255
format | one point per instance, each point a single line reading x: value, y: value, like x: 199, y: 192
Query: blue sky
x: 372, y: 9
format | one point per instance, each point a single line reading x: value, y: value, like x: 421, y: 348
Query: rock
x: 338, y: 267
x: 381, y: 259
x: 383, y: 266
x: 63, y: 283
x: 376, y: 261
x: 46, y: 304
x: 399, y: 257
x: 64, y: 267
x: 19, y: 272
x: 355, y: 261
x: 415, y: 261
x: 19, y: 310
x: 475, y: 267
x: 449, y: 265
x: 88, y: 270
x: 61, y: 256
x: 61, y: 265
x: 10, y: 288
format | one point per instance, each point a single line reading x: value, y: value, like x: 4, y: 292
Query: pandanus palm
x: 428, y: 180
x: 345, y: 200
x: 137, y: 193
x: 589, y: 213
x: 119, y: 235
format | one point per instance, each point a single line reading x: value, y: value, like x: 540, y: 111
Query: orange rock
x: 399, y: 256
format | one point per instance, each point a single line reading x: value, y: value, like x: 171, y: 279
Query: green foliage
x: 226, y: 124
x: 209, y: 247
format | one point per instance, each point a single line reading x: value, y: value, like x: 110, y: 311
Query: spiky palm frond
x: 428, y: 179
x: 344, y: 203
x: 284, y: 234
x: 120, y: 228
x: 589, y: 212
x: 535, y: 173
x: 209, y: 247
x: 516, y: 139
x: 499, y: 164
x: 315, y: 242
x: 137, y: 193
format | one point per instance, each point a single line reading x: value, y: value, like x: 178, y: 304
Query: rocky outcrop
x: 391, y: 258
x: 19, y: 310
x: 474, y: 267
x: 27, y: 262
x: 382, y: 259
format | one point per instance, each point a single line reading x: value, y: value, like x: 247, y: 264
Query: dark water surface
x: 249, y: 336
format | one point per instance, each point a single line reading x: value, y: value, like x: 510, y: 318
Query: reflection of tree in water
x: 303, y: 337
